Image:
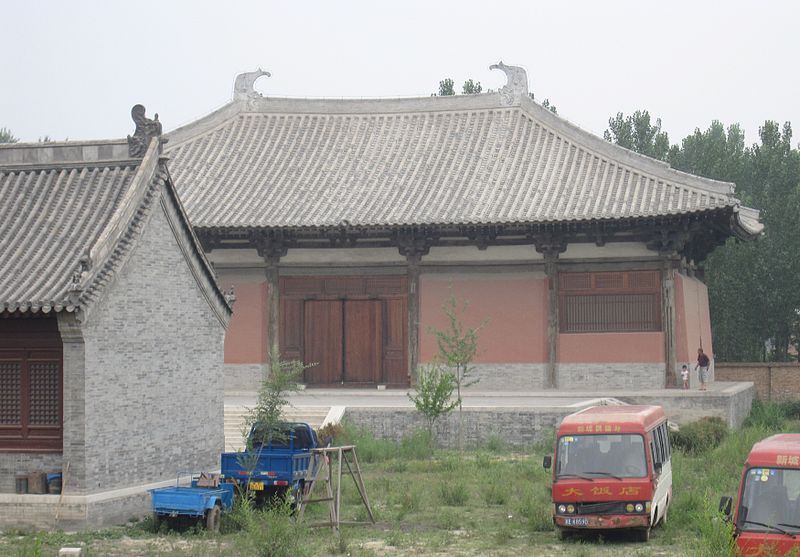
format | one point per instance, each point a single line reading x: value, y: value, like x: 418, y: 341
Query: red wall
x: 692, y: 319
x: 611, y: 348
x: 246, y: 338
x: 514, y: 304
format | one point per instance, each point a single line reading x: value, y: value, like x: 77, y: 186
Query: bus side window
x: 667, y: 446
x: 656, y: 447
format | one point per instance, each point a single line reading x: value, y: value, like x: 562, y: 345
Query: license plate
x: 576, y: 521
x: 257, y: 486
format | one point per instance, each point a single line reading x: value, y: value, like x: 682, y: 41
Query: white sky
x: 73, y: 69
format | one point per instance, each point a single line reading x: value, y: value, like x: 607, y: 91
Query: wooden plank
x: 363, y: 336
x: 395, y: 342
x: 322, y: 341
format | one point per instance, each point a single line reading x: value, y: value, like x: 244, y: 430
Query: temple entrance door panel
x: 363, y: 335
x: 322, y: 341
x: 354, y: 328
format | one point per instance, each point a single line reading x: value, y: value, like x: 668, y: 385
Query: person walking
x: 702, y: 363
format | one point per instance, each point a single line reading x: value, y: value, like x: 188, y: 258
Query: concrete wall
x: 590, y: 377
x: 773, y: 381
x: 153, y: 378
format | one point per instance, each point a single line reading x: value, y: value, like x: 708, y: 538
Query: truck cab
x: 766, y: 516
x: 611, y: 469
x: 272, y: 464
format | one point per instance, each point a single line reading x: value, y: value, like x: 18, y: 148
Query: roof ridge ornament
x: 146, y: 129
x: 244, y: 86
x: 517, y: 85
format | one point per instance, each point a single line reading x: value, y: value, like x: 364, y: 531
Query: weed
x: 700, y: 436
x: 496, y: 492
x: 495, y: 443
x: 453, y: 493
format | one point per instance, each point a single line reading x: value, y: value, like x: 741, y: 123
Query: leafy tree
x: 446, y: 88
x: 434, y: 396
x: 753, y: 296
x: 458, y: 346
x: 6, y: 136
x: 471, y: 88
x: 637, y: 133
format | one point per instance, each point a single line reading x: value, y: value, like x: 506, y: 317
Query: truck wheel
x: 212, y: 518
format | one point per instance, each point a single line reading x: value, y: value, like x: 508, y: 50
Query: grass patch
x: 488, y: 501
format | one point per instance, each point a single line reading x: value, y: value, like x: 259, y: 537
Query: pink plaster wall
x: 611, y: 348
x: 515, y: 305
x: 246, y: 338
x: 692, y: 319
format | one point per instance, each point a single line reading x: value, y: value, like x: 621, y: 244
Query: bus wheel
x: 562, y: 533
x: 643, y: 535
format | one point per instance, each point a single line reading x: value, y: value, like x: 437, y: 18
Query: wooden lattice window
x: 601, y: 302
x: 30, y: 400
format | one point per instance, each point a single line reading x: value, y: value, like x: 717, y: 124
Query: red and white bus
x: 767, y: 515
x: 611, y: 469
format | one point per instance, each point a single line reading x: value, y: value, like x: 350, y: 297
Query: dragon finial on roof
x: 244, y: 86
x: 517, y: 84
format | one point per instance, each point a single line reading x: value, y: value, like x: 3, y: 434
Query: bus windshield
x: 596, y: 456
x: 770, y: 501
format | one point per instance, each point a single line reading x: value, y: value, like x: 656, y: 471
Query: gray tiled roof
x: 71, y: 215
x: 51, y: 218
x: 270, y: 162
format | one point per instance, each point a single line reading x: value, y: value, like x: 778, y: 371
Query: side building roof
x: 71, y: 213
x: 495, y: 158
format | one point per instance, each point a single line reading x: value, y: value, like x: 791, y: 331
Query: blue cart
x: 192, y: 501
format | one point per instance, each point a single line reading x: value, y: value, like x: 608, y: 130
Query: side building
x: 345, y: 224
x: 111, y: 331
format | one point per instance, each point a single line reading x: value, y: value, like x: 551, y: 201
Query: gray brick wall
x: 594, y: 377
x: 12, y: 464
x: 509, y: 377
x: 518, y: 426
x: 244, y: 377
x: 154, y: 378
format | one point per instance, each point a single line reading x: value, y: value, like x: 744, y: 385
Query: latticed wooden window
x: 30, y: 400
x: 622, y: 301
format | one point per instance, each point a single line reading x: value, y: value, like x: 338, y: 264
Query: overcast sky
x: 73, y: 69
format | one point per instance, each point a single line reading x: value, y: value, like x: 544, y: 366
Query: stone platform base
x: 75, y: 512
x: 522, y: 425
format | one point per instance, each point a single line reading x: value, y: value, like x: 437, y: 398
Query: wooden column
x: 669, y: 265
x: 551, y: 270
x: 273, y: 305
x: 413, y: 248
x: 271, y: 246
x: 551, y: 246
x: 413, y: 315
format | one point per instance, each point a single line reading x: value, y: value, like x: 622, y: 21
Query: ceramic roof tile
x: 294, y: 163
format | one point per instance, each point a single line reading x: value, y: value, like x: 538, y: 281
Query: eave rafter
x: 692, y: 235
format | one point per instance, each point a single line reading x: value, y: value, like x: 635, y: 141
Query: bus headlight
x: 629, y: 508
x: 562, y: 509
x: 639, y: 508
x: 570, y: 509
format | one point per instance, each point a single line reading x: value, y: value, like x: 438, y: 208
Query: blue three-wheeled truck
x: 266, y: 470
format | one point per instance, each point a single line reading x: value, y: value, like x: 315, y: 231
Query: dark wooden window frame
x: 610, y: 302
x: 30, y: 434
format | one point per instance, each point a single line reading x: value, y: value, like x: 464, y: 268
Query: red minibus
x: 611, y: 469
x: 767, y: 515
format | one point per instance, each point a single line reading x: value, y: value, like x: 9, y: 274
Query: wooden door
x: 363, y: 335
x: 395, y: 342
x: 322, y: 341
